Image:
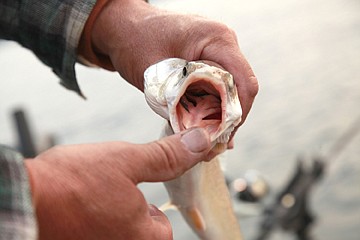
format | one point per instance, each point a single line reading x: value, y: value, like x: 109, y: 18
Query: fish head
x: 194, y: 94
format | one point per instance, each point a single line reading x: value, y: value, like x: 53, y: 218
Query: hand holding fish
x: 89, y: 191
x: 130, y: 36
x: 134, y: 35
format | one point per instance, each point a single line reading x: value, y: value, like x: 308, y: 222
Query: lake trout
x: 194, y: 94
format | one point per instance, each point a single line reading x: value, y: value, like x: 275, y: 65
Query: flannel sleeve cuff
x: 51, y: 29
x: 76, y: 19
x: 17, y: 217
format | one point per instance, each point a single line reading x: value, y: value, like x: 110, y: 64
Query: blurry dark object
x: 26, y: 144
x: 25, y: 138
x: 251, y: 188
x: 290, y: 210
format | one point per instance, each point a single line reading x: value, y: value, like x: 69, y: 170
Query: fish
x: 194, y: 94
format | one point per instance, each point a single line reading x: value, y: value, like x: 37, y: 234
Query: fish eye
x: 184, y: 71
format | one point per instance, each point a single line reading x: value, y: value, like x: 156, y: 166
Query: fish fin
x: 168, y: 206
x: 197, y: 219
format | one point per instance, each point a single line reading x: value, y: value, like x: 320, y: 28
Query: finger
x: 161, y: 225
x: 245, y: 80
x: 230, y: 144
x: 169, y: 157
x: 226, y: 53
x: 247, y: 85
x: 211, y: 63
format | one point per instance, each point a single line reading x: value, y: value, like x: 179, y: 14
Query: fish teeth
x: 224, y: 138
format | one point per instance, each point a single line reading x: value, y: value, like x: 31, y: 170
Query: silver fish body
x: 190, y: 94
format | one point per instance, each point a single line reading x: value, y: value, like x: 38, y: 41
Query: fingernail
x: 230, y: 144
x: 196, y: 140
x: 153, y: 210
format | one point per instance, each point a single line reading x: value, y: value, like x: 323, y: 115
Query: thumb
x: 169, y: 157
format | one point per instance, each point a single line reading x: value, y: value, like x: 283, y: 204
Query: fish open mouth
x: 193, y: 94
x: 200, y: 106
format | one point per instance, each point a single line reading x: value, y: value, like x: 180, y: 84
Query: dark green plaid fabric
x: 17, y: 217
x: 50, y: 28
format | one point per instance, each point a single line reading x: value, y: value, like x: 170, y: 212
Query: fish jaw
x: 169, y: 82
x: 158, y: 77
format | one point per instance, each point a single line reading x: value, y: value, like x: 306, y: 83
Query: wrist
x: 87, y: 51
x: 116, y: 34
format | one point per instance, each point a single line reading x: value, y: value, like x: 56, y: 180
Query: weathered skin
x: 190, y: 94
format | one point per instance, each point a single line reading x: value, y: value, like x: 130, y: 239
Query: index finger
x: 226, y: 52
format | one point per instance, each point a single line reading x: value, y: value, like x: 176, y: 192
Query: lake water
x: 306, y: 55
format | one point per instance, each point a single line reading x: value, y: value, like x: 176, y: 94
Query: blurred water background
x: 306, y: 55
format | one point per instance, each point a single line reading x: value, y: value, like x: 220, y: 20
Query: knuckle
x: 168, y: 232
x: 172, y: 160
x: 253, y: 87
x: 251, y: 83
x: 224, y: 32
x: 53, y: 152
x: 162, y: 232
x: 214, y: 30
x: 221, y: 28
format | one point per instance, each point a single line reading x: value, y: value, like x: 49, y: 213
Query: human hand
x: 89, y: 191
x: 136, y: 35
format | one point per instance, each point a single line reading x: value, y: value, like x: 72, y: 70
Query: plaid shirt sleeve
x: 50, y: 28
x: 17, y: 217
